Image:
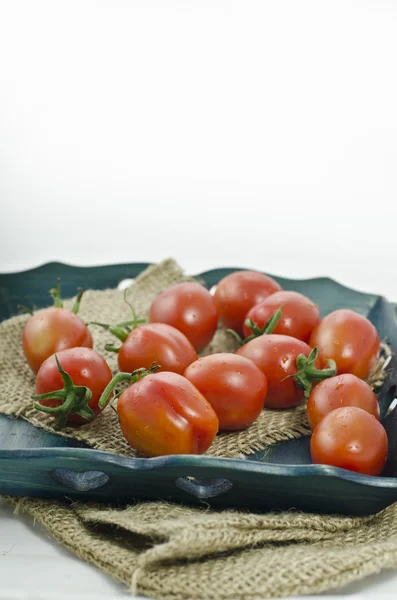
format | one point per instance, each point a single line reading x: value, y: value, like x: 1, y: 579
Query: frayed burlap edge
x: 173, y: 552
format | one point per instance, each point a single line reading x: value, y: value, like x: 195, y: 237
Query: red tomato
x: 343, y: 390
x: 238, y: 292
x: 190, y: 308
x: 164, y: 414
x: 352, y: 439
x: 51, y: 331
x: 86, y: 368
x: 298, y: 318
x: 350, y: 340
x: 276, y: 356
x: 156, y: 343
x: 233, y: 385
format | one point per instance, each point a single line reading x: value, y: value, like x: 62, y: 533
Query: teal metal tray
x: 36, y: 463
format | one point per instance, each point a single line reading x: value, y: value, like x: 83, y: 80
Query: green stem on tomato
x: 114, y: 409
x: 56, y: 294
x: 74, y: 398
x: 236, y: 336
x: 76, y: 305
x: 272, y: 322
x: 258, y: 331
x: 119, y: 378
x: 130, y: 377
x: 122, y: 330
x: 25, y: 309
x: 307, y: 373
x: 135, y: 320
x: 115, y: 330
x: 70, y: 401
x: 86, y: 413
x: 111, y: 348
x: 57, y: 395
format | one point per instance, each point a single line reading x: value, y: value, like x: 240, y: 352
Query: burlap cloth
x: 177, y: 552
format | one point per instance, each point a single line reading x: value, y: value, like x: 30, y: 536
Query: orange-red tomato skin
x: 52, y: 330
x: 164, y: 413
x: 233, y: 385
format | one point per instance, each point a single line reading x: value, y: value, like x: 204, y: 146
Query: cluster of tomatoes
x: 176, y: 403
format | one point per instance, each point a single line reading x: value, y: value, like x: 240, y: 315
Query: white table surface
x: 221, y: 132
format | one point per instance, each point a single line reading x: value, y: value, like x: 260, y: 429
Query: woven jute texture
x: 179, y: 553
x: 171, y: 552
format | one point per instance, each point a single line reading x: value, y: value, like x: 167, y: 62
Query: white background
x: 224, y: 133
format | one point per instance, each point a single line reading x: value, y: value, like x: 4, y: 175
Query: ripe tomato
x: 81, y: 369
x: 51, y: 331
x: 156, y: 343
x: 233, y: 385
x: 190, y: 308
x: 343, y: 390
x: 163, y: 413
x: 54, y: 329
x: 298, y: 318
x: 280, y: 357
x: 236, y: 293
x: 350, y: 340
x: 352, y: 439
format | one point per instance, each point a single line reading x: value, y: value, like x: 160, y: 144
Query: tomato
x: 54, y: 329
x: 164, y: 413
x: 156, y: 343
x: 350, y: 340
x: 350, y: 438
x: 81, y: 369
x: 236, y: 293
x: 343, y: 390
x: 190, y: 308
x: 233, y: 385
x: 299, y: 315
x: 280, y: 357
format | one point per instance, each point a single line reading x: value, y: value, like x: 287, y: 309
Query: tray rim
x: 202, y: 274
x: 189, y: 460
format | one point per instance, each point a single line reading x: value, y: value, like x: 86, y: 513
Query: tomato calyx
x: 130, y: 378
x: 25, y: 310
x: 122, y: 330
x: 58, y: 303
x: 76, y: 306
x: 258, y: 331
x: 56, y: 294
x: 74, y: 400
x: 307, y: 373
